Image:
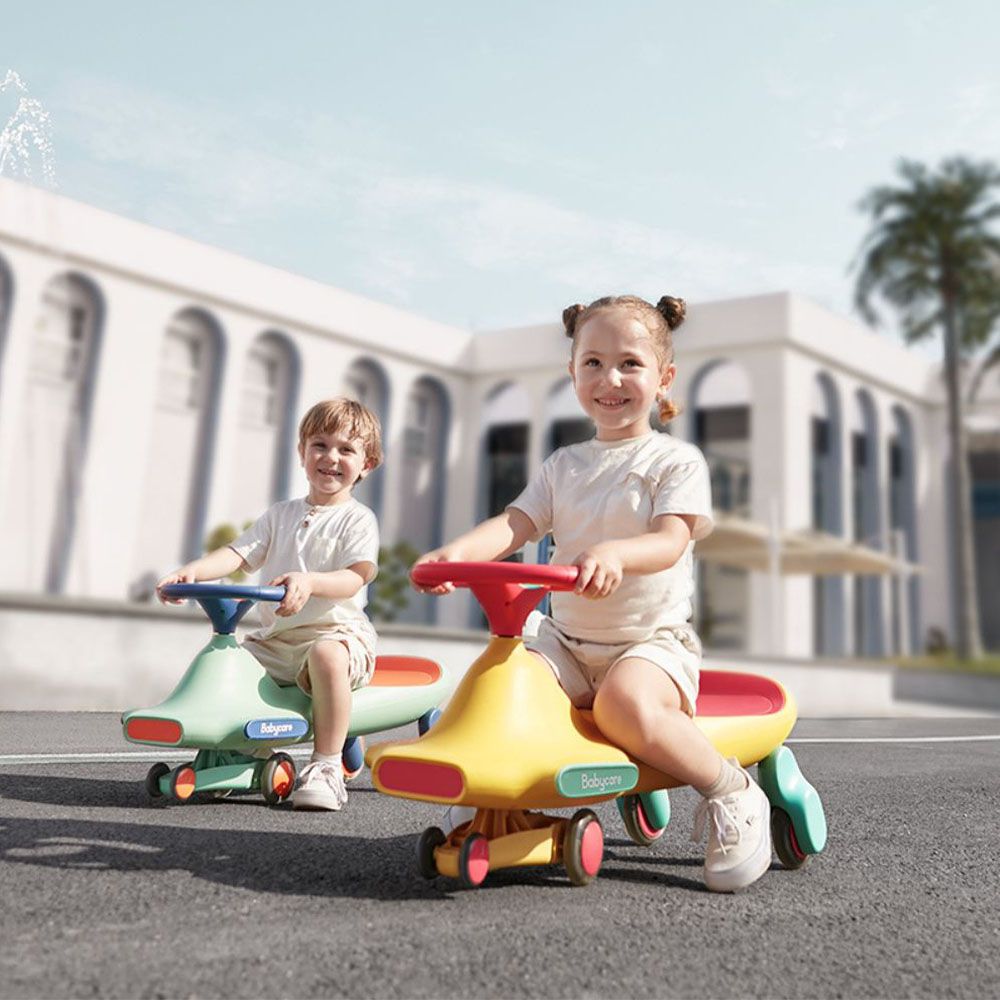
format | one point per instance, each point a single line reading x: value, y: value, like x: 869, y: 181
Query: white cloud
x: 406, y: 232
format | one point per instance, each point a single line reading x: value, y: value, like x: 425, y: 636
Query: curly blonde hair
x: 660, y: 321
x: 347, y: 417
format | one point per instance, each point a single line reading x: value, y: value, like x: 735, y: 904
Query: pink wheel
x: 474, y: 860
x: 583, y: 847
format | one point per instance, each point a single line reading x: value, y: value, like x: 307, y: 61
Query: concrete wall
x: 61, y: 655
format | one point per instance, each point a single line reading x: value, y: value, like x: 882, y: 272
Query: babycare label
x: 276, y: 729
x: 587, y: 781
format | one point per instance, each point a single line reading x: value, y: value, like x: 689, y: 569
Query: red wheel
x: 474, y: 860
x: 583, y: 847
x: 637, y: 823
x: 277, y: 778
x: 184, y: 782
x: 786, y: 845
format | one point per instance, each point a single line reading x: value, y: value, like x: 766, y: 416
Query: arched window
x: 719, y: 422
x: 827, y: 508
x: 565, y: 421
x: 906, y: 625
x: 266, y: 438
x: 866, y: 519
x: 172, y: 515
x: 367, y: 382
x: 54, y: 432
x: 425, y: 479
x: 6, y: 300
x: 504, y: 447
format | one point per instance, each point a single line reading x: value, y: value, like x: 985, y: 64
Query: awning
x: 750, y: 545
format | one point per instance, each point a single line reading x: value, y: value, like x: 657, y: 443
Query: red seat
x: 725, y: 692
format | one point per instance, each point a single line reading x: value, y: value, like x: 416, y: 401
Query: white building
x: 150, y: 388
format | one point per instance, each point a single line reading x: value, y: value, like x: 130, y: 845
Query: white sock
x: 731, y: 779
x: 326, y: 758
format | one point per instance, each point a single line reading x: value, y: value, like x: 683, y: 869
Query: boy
x: 324, y: 550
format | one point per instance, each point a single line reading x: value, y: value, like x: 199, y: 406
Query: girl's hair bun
x: 671, y: 309
x: 570, y: 315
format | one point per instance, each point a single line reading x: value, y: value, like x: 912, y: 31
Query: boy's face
x: 333, y: 463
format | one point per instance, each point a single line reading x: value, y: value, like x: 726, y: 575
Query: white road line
x: 892, y: 739
x: 110, y: 758
x: 141, y: 756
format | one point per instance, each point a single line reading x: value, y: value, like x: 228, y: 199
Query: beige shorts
x: 285, y: 656
x: 581, y: 666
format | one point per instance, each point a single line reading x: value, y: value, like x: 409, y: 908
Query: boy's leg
x: 330, y: 687
x: 328, y: 674
x: 639, y: 708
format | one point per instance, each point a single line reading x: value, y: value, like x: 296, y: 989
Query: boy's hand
x: 182, y: 575
x: 600, y: 572
x: 447, y: 553
x: 298, y: 590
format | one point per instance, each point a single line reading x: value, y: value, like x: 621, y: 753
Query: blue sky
x: 486, y: 165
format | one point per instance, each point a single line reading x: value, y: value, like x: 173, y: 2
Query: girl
x: 626, y: 508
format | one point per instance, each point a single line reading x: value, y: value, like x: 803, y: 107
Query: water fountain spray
x: 28, y: 129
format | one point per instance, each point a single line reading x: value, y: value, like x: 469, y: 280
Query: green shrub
x: 391, y: 592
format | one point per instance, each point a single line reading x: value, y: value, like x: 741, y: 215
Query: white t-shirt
x: 337, y: 536
x: 601, y: 490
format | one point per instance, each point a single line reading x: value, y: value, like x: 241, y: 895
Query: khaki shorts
x: 581, y: 666
x: 285, y: 656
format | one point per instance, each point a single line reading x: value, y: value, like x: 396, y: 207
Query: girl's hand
x: 447, y: 553
x: 298, y: 590
x: 600, y: 572
x: 182, y: 575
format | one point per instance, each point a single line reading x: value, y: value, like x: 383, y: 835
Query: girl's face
x: 616, y: 374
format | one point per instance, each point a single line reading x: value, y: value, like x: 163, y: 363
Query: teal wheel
x: 789, y: 792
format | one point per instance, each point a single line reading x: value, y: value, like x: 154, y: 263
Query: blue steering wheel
x: 224, y: 603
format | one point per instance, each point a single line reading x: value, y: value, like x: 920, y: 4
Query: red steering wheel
x: 506, y: 590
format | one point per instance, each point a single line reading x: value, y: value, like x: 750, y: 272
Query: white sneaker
x: 455, y: 816
x: 320, y: 786
x: 739, y: 837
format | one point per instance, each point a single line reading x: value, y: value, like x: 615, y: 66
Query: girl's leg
x: 329, y: 680
x: 638, y: 707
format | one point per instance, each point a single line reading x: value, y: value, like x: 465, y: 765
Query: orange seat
x: 404, y: 671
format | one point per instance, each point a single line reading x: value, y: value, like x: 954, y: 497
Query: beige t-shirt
x: 601, y: 490
x: 336, y: 537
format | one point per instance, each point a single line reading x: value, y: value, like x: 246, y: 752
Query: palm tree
x: 931, y: 254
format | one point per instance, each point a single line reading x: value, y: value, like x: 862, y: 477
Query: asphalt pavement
x: 106, y: 895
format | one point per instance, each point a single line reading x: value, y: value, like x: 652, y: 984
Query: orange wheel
x: 277, y: 778
x: 184, y: 782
